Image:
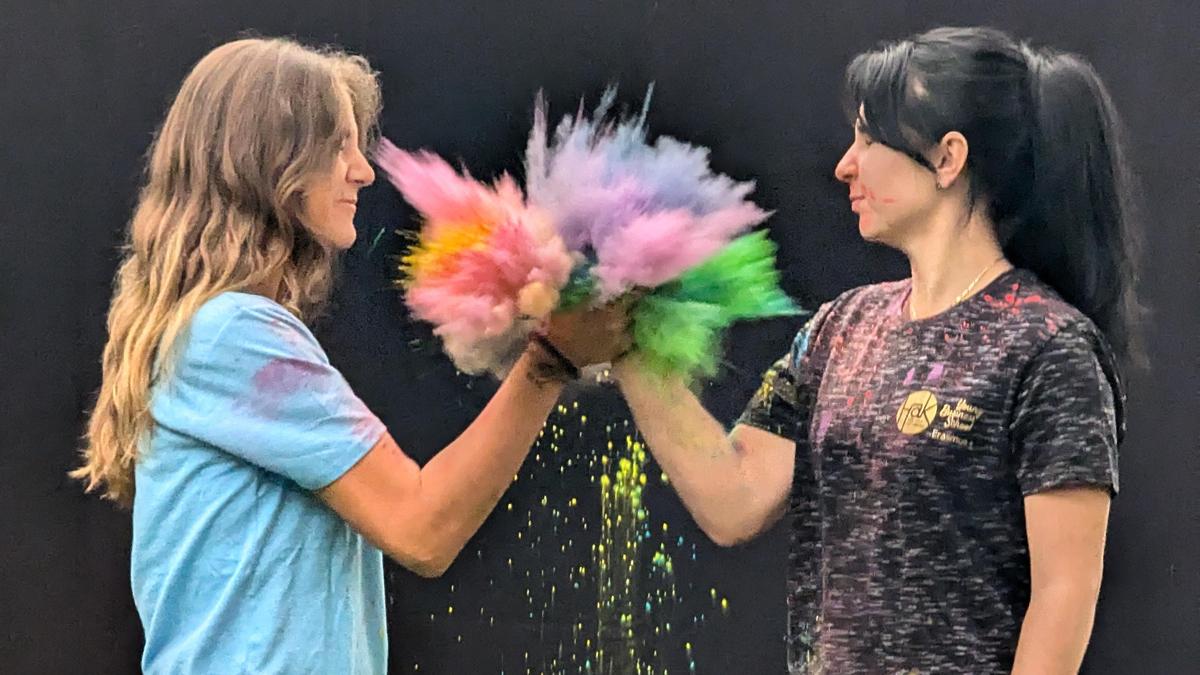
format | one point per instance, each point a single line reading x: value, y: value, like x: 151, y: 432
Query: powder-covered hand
x: 590, y: 335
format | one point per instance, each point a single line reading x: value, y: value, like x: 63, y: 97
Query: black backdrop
x: 84, y: 84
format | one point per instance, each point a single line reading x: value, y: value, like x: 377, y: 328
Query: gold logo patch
x: 917, y: 413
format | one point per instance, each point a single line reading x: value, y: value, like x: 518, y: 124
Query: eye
x: 861, y: 133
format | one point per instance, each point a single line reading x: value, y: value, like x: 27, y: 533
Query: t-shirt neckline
x: 901, y: 316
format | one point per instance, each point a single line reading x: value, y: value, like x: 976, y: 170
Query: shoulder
x: 1036, y: 318
x: 871, y: 300
x: 860, y: 302
x: 849, y: 306
x: 233, y: 317
x: 234, y: 311
x: 1054, y: 338
x: 232, y: 323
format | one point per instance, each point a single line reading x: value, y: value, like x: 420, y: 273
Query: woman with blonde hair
x: 265, y: 489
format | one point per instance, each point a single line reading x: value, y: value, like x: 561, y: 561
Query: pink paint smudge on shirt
x: 277, y: 380
x: 823, y: 426
x: 935, y: 373
x: 1011, y: 300
x: 367, y: 423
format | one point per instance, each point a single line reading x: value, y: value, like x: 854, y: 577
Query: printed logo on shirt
x: 920, y: 411
x: 917, y: 412
x: 961, y: 417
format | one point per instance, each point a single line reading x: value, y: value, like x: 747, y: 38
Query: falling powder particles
x: 576, y: 554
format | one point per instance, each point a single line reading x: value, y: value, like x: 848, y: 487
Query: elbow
x: 422, y: 555
x: 425, y: 564
x: 724, y: 540
x: 429, y: 569
x: 1075, y: 597
x: 1084, y: 589
x: 1079, y: 581
x: 728, y: 535
x: 734, y: 522
x: 727, y: 540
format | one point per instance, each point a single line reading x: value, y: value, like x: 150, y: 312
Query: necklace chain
x: 961, y: 296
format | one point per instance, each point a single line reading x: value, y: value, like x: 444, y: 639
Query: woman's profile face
x: 890, y: 192
x: 330, y: 198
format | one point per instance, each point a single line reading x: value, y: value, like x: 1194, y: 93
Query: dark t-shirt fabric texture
x: 916, y: 443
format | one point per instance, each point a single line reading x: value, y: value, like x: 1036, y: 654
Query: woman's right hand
x: 590, y: 335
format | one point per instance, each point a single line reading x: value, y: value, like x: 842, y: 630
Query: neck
x: 949, y: 260
x: 271, y: 287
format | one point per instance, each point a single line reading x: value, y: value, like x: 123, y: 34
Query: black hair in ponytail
x: 1045, y: 161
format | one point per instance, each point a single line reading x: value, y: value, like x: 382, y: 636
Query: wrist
x: 625, y: 366
x: 548, y: 363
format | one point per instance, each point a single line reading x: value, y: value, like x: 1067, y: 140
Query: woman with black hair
x: 945, y: 445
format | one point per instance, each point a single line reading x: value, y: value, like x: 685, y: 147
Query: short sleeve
x: 777, y: 406
x: 1068, y: 419
x: 252, y: 381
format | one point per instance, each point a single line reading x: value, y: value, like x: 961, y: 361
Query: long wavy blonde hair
x: 219, y: 211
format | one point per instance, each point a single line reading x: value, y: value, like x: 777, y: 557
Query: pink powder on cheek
x: 872, y: 196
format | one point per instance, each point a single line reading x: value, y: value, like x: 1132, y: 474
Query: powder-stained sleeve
x: 777, y: 405
x: 256, y: 384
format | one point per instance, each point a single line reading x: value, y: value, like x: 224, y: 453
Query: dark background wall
x: 82, y: 86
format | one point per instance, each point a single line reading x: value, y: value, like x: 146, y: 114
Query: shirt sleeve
x: 777, y: 406
x: 1069, y: 416
x: 255, y: 383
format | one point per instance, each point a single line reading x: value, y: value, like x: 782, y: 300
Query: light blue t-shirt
x: 237, y: 567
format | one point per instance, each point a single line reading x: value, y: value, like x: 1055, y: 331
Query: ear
x: 950, y: 159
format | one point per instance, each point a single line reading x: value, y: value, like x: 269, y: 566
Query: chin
x: 340, y: 239
x: 869, y: 231
x: 875, y: 232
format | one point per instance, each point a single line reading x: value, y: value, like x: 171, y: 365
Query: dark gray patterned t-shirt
x: 916, y: 443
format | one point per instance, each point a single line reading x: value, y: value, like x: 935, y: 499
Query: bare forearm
x: 422, y: 516
x: 1056, y: 630
x: 460, y: 486
x: 705, y: 466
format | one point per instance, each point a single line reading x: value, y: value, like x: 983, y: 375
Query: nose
x: 360, y: 171
x: 847, y: 166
